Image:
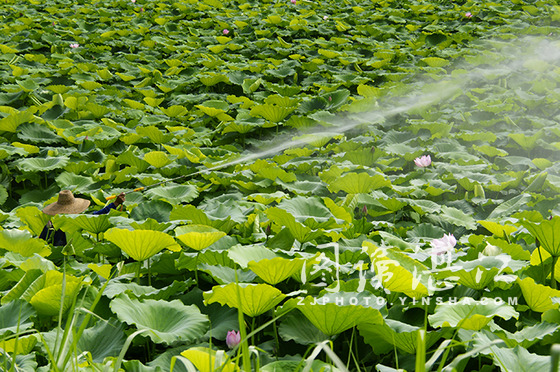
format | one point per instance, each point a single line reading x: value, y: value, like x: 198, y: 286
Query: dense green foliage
x: 289, y: 143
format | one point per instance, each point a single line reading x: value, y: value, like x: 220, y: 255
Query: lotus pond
x: 338, y: 185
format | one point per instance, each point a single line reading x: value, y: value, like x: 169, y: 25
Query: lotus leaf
x: 46, y: 292
x: 157, y: 159
x: 33, y: 218
x: 547, y: 232
x: 24, y: 345
x: 21, y: 241
x: 519, y: 359
x: 275, y: 270
x: 14, y: 317
x: 337, y: 312
x: 471, y: 314
x: 398, y: 272
x: 198, y: 237
x: 174, y: 194
x: 356, y: 183
x: 295, y: 326
x: 164, y: 321
x: 94, y: 224
x: 141, y: 244
x: 301, y: 232
x: 208, y: 360
x: 256, y: 299
x: 538, y: 296
x: 33, y: 165
x: 105, y: 339
x: 309, y: 211
x: 401, y: 335
x: 13, y: 121
x: 158, y: 210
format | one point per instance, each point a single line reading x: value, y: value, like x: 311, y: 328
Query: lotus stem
x: 554, y: 357
x: 553, y: 283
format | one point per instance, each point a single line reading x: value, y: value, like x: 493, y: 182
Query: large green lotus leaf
x: 154, y: 134
x: 22, y: 242
x: 198, y: 217
x: 519, y: 359
x: 164, y: 321
x: 19, y: 345
x: 34, y: 218
x: 272, y: 113
x: 116, y: 287
x: 105, y: 339
x: 529, y: 335
x: 94, y: 224
x: 24, y: 363
x: 272, y: 173
x: 17, y: 291
x: 401, y: 335
x: 510, y: 206
x: 226, y: 275
x: 243, y: 254
x: 256, y: 299
x: 336, y: 312
x: 141, y: 244
x: 46, y: 292
x: 208, y: 360
x: 457, y: 217
x: 547, y: 232
x: 14, y: 317
x: 158, y: 210
x: 11, y: 122
x: 76, y: 183
x: 468, y: 313
x: 157, y: 159
x: 497, y: 229
x: 358, y: 183
x: 174, y: 194
x: 538, y: 296
x: 309, y: 211
x: 33, y: 165
x: 301, y: 232
x: 37, y: 134
x: 275, y: 270
x: 398, y: 272
x: 295, y: 326
x: 479, y: 273
x: 198, y: 237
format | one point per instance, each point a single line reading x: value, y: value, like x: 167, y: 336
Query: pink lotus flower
x: 133, y: 1
x: 294, y: 1
x: 233, y: 339
x: 423, y: 161
x: 226, y: 31
x: 468, y: 14
x: 325, y: 17
x: 443, y: 245
x: 75, y: 45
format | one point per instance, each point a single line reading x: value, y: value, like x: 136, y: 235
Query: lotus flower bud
x: 491, y: 250
x: 233, y: 339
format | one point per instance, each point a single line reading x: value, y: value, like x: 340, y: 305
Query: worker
x: 68, y: 204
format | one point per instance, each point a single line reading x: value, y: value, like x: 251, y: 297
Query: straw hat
x: 67, y: 204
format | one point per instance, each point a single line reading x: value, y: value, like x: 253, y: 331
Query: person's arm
x: 105, y: 209
x: 118, y: 201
